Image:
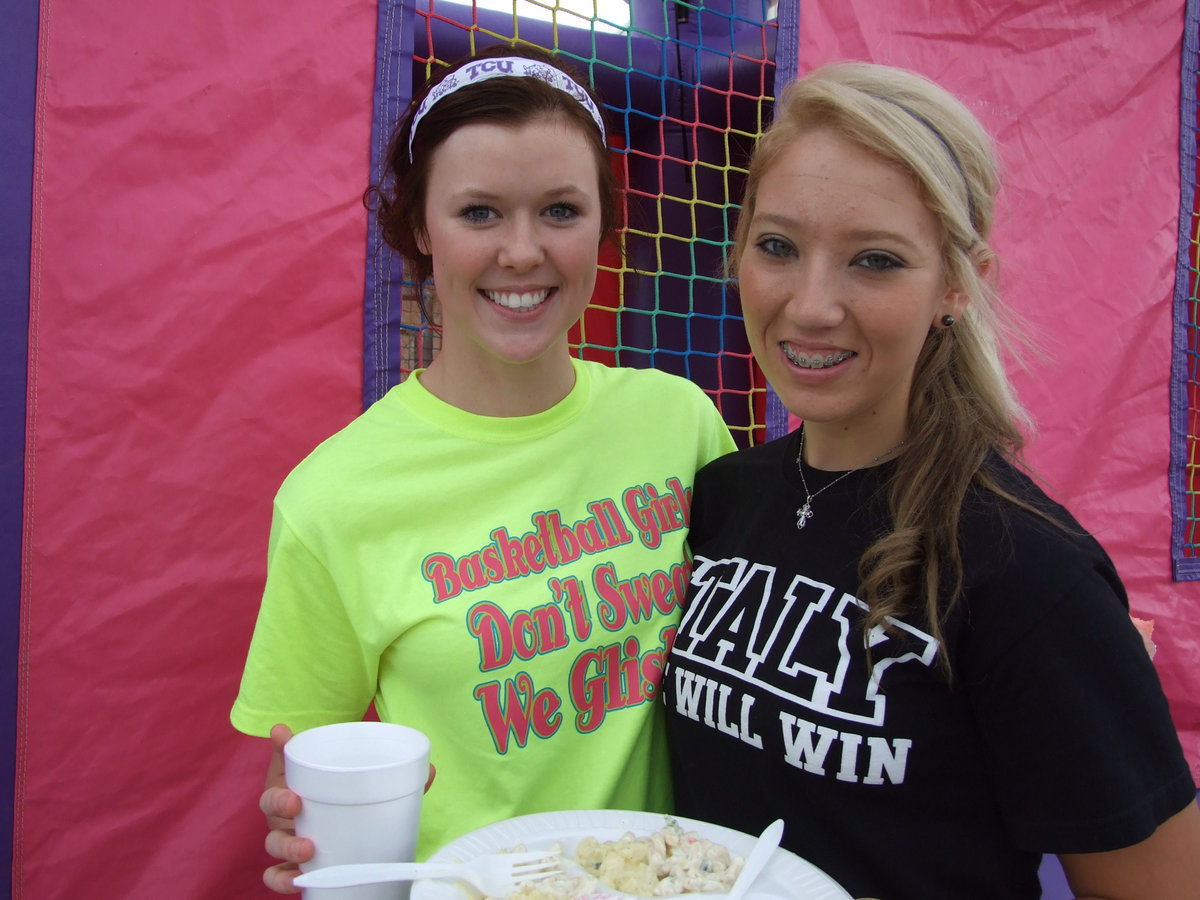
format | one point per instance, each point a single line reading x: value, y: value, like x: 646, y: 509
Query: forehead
x: 545, y: 150
x: 823, y: 173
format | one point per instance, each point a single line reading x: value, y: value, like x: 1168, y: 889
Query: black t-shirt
x: 1054, y: 735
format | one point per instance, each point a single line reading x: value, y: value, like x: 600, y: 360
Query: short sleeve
x: 1082, y: 748
x: 306, y: 666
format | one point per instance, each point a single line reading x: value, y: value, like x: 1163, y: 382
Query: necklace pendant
x: 803, y: 514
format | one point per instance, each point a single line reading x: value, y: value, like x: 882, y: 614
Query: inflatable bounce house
x: 194, y: 297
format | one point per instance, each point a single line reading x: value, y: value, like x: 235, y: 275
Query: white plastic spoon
x: 757, y: 860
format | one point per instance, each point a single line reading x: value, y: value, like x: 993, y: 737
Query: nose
x: 522, y: 247
x: 815, y: 295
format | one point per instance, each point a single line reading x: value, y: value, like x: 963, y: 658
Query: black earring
x: 947, y: 320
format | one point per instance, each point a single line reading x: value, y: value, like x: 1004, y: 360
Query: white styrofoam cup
x: 360, y: 786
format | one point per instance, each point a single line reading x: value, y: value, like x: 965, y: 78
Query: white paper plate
x: 786, y: 877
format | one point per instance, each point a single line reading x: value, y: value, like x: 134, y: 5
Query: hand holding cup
x: 360, y: 785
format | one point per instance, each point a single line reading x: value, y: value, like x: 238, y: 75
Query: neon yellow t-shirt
x: 508, y: 586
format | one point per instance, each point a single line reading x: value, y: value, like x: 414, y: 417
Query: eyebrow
x: 474, y: 193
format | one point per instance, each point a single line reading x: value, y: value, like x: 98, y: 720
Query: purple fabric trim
x: 787, y: 65
x: 384, y: 271
x: 18, y: 84
x: 1185, y: 568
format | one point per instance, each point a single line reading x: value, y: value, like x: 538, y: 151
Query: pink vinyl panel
x: 195, y: 330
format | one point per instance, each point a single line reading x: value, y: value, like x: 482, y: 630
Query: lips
x: 810, y: 359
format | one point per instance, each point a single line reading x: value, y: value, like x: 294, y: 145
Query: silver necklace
x: 804, y: 513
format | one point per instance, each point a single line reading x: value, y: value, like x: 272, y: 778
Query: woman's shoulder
x: 357, y: 447
x: 1006, y: 495
x: 761, y: 462
x: 656, y: 406
x: 650, y: 382
x: 1025, y: 540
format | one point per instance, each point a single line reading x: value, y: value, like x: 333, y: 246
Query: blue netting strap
x: 787, y: 65
x: 384, y: 271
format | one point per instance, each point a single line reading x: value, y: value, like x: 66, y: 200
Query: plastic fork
x: 496, y: 874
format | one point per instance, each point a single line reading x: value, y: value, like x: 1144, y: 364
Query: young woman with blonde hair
x: 893, y: 639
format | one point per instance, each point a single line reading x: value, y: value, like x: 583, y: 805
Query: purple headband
x: 503, y: 66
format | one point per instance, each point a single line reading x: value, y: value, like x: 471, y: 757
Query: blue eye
x: 878, y: 261
x: 562, y: 211
x: 478, y: 213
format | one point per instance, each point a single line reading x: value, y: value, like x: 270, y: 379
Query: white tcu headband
x: 503, y: 66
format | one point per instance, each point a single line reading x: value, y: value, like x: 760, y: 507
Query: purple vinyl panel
x: 18, y: 74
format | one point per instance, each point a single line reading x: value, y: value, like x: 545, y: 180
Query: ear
x: 954, y: 303
x: 956, y: 300
x: 423, y: 242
